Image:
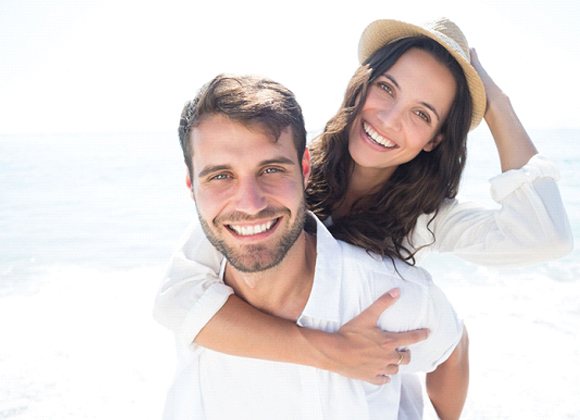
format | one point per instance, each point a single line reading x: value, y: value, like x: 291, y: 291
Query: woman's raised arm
x: 513, y: 144
x: 530, y: 225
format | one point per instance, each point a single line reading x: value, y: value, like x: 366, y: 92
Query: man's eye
x: 272, y: 170
x: 219, y: 177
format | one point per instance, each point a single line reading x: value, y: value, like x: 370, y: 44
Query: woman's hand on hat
x: 512, y: 141
x: 492, y: 90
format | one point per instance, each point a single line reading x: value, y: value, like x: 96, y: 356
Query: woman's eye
x: 424, y: 116
x: 384, y: 86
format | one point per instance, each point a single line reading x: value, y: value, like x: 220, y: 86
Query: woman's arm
x: 191, y: 292
x: 447, y: 385
x: 197, y: 306
x: 530, y: 226
x: 359, y: 349
x: 513, y: 144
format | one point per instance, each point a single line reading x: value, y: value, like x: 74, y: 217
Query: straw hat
x: 444, y: 32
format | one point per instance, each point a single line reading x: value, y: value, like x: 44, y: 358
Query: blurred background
x: 93, y: 199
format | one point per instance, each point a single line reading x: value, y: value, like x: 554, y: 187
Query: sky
x: 72, y: 66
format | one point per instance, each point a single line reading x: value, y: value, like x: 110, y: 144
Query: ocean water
x: 88, y: 222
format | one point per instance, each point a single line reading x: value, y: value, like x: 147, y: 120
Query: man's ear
x: 189, y: 183
x: 306, y: 166
x: 433, y: 143
x: 188, y: 180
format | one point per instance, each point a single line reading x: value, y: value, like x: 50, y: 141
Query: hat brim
x: 385, y: 31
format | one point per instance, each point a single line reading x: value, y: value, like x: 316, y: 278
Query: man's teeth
x: 252, y: 230
x: 377, y: 137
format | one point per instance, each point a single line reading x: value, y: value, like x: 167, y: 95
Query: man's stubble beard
x: 255, y: 258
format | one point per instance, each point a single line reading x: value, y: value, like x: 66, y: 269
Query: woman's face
x: 403, y: 112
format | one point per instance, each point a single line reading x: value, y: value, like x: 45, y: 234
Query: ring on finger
x: 401, y: 357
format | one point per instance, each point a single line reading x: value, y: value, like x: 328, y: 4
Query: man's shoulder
x: 369, y: 276
x: 373, y: 266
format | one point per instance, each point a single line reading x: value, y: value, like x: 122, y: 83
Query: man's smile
x: 252, y: 229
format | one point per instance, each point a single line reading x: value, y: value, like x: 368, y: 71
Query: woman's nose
x: 391, y: 117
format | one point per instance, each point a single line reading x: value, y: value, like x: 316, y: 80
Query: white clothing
x: 531, y: 225
x: 211, y: 385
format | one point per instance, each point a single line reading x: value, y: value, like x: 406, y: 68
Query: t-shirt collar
x: 324, y: 300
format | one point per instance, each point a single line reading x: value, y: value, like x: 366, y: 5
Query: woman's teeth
x: 377, y: 138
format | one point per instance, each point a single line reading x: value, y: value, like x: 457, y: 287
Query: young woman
x: 385, y: 174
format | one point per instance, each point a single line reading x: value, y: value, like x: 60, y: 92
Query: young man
x: 244, y: 144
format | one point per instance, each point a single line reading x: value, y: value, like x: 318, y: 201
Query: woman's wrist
x: 498, y: 106
x: 319, y: 345
x: 513, y: 143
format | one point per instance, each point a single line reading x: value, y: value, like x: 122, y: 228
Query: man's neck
x: 282, y: 290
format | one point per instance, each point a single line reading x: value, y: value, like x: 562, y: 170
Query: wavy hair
x: 382, y: 221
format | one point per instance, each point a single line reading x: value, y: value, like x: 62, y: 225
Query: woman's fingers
x: 362, y: 351
x: 394, y: 341
x: 370, y: 316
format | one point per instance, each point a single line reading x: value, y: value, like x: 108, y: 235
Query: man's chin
x: 254, y: 262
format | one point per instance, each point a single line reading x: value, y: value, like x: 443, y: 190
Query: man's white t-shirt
x: 215, y: 386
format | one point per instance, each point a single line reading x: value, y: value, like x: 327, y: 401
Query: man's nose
x: 250, y: 197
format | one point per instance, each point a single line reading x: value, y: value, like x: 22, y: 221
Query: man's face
x: 248, y: 190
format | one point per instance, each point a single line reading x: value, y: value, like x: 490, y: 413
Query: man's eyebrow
x: 425, y: 104
x: 211, y: 169
x: 282, y: 160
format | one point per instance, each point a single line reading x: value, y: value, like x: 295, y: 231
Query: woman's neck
x: 362, y: 182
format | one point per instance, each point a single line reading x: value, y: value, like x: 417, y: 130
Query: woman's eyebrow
x: 432, y: 108
x: 392, y: 79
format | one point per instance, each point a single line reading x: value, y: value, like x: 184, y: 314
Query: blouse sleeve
x: 529, y: 226
x: 192, y: 292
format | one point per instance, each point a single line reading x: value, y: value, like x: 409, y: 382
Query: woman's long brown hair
x: 381, y: 222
